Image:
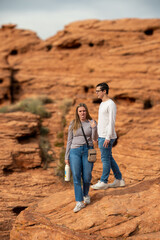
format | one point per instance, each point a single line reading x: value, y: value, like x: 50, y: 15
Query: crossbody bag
x: 92, y: 155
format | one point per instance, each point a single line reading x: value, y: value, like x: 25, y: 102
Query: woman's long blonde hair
x: 76, y: 122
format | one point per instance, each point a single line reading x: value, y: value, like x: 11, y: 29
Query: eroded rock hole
x: 91, y: 44
x: 6, y: 96
x: 18, y: 209
x: 96, y: 101
x: 27, y: 138
x: 86, y: 88
x: 14, y: 52
x: 70, y: 45
x: 149, y: 31
x: 14, y: 86
x: 7, y: 171
x: 1, y: 80
x: 124, y: 98
x: 49, y: 47
x: 147, y: 104
x: 101, y: 43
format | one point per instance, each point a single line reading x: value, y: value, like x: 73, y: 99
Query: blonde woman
x: 77, y: 154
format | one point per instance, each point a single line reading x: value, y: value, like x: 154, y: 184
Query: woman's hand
x: 92, y: 123
x: 66, y: 161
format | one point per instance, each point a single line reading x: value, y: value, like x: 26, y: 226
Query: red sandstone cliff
x: 125, y: 53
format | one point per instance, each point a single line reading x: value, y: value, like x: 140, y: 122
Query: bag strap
x: 84, y: 135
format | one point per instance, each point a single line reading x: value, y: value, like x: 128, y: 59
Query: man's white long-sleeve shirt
x: 106, y: 120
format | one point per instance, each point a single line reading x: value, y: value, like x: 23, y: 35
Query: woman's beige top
x: 76, y: 140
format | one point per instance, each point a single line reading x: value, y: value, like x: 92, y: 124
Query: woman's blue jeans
x: 80, y: 168
x: 108, y: 161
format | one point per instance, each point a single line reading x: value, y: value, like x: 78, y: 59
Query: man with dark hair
x: 106, y: 138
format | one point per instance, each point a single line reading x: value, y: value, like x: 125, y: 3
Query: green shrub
x: 63, y: 122
x: 59, y: 144
x: 61, y: 164
x: 32, y: 105
x: 66, y: 105
x: 3, y: 109
x: 60, y: 135
x: 44, y: 131
x: 60, y: 170
x: 45, y: 99
x: 45, y: 147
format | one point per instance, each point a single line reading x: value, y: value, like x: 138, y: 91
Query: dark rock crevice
x: 73, y: 44
x: 14, y: 86
x: 12, y: 93
x: 147, y: 104
x: 7, y: 171
x: 49, y: 47
x: 124, y: 98
x: 18, y: 209
x: 96, y: 101
x: 86, y: 88
x: 14, y: 52
x: 149, y: 31
x: 27, y: 138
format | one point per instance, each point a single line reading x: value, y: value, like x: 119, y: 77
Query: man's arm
x: 111, y: 125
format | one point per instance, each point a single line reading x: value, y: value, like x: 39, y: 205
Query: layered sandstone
x: 125, y: 53
x: 19, y: 147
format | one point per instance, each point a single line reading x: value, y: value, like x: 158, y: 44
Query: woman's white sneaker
x: 87, y: 199
x: 117, y: 183
x: 78, y: 207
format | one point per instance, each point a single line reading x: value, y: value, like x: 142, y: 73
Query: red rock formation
x: 124, y: 53
x: 19, y: 147
x: 13, y: 42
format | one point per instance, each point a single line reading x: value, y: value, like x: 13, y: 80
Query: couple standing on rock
x: 77, y: 149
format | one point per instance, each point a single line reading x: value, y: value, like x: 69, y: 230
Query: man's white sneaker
x: 87, y: 199
x: 117, y: 183
x: 100, y: 185
x: 78, y: 207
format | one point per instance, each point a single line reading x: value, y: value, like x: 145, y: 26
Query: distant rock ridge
x: 9, y: 26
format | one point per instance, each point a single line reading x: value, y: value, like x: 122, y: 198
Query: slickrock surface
x: 112, y: 214
x: 20, y: 189
x: 125, y: 53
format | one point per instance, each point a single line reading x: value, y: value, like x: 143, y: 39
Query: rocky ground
x: 35, y: 203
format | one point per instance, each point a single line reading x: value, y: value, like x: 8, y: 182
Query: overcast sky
x: 46, y: 17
